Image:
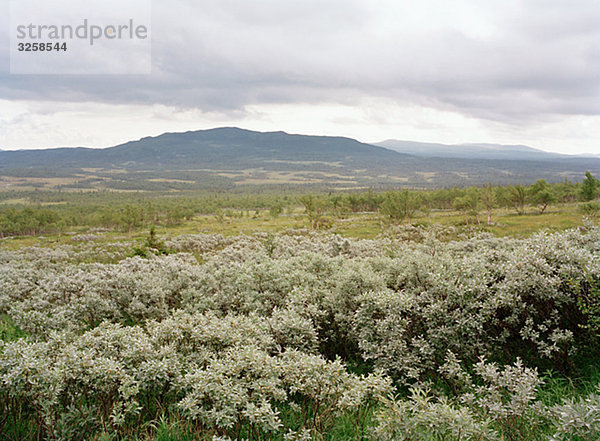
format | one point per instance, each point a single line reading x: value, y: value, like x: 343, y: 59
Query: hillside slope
x: 229, y: 156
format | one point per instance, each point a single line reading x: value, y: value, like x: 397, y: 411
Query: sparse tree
x: 468, y: 204
x: 275, y: 210
x: 590, y: 187
x: 566, y: 191
x: 337, y: 204
x: 542, y: 194
x: 590, y: 209
x: 488, y: 199
x: 518, y: 198
x: 400, y: 205
x: 314, y: 208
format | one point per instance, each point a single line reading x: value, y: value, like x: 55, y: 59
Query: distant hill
x: 228, y: 148
x: 470, y: 151
x: 228, y: 157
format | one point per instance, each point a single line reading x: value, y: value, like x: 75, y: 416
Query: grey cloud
x: 542, y: 57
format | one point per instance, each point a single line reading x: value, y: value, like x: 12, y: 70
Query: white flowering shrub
x: 244, y: 385
x: 226, y: 373
x: 331, y: 245
x: 97, y: 377
x: 488, y: 404
x: 197, y: 243
x: 290, y: 329
x: 324, y: 389
x: 195, y: 338
x: 425, y: 417
x: 477, y: 298
x: 85, y: 237
x: 577, y: 419
x: 78, y: 297
x: 258, y: 337
x: 507, y: 396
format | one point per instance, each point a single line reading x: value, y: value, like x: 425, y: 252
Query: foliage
x: 282, y: 336
x: 517, y: 195
x: 500, y: 405
x: 56, y: 212
x: 590, y: 187
x: 588, y: 302
x: 489, y: 200
x: 314, y: 207
x: 590, y: 209
x: 542, y: 194
x: 468, y: 204
x: 427, y: 418
x: 400, y: 205
x: 577, y: 419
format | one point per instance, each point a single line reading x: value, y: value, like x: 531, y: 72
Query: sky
x: 461, y: 71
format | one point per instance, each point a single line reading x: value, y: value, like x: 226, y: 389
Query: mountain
x: 469, y: 151
x: 228, y: 157
x: 224, y: 148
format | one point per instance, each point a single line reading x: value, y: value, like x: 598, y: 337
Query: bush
x: 265, y: 336
x: 577, y: 419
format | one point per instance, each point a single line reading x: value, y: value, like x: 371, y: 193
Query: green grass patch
x: 8, y: 330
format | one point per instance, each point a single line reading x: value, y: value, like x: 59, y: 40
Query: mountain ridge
x: 227, y: 156
x: 470, y: 150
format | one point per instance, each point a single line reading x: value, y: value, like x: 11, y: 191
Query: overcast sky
x: 511, y: 72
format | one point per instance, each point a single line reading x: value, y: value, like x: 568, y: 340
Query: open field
x: 354, y: 225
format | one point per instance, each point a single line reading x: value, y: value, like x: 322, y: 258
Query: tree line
x: 472, y: 202
x: 34, y: 213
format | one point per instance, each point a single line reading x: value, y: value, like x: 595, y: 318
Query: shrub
x: 424, y: 417
x: 577, y: 419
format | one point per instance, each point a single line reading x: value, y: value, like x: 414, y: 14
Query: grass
x: 584, y: 381
x: 356, y: 225
x: 173, y: 430
x: 8, y: 330
x: 370, y: 225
